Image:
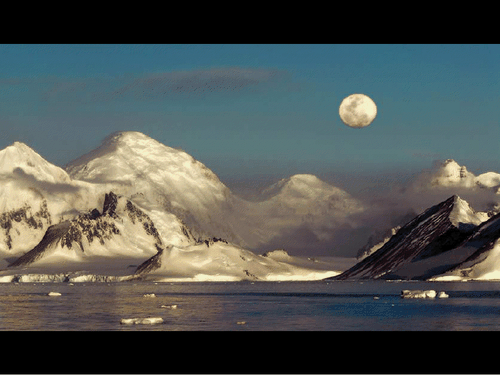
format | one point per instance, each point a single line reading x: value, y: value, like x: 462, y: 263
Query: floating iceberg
x: 53, y: 294
x: 151, y: 295
x: 418, y: 293
x: 171, y: 307
x: 443, y: 295
x: 423, y: 294
x: 150, y: 320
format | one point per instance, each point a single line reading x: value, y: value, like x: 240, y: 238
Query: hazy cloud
x: 151, y: 86
x: 197, y: 82
x: 50, y: 187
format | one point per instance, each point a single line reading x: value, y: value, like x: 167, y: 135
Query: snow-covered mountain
x: 122, y: 229
x: 132, y: 163
x: 306, y: 195
x: 301, y: 201
x: 421, y: 248
x: 34, y: 194
x: 449, y: 174
x: 164, y: 208
x: 157, y: 202
x: 19, y: 159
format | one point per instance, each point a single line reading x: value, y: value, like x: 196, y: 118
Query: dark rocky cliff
x: 427, y: 235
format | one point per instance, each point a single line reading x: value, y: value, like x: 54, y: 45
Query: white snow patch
x: 54, y: 294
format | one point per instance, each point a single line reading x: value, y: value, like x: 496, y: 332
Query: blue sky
x: 253, y: 112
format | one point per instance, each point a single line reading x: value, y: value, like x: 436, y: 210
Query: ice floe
x: 422, y: 294
x: 149, y: 320
x: 442, y: 295
x: 171, y: 307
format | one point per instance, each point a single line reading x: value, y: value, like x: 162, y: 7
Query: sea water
x: 246, y: 306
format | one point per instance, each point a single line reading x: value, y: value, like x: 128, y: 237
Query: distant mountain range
x: 134, y: 198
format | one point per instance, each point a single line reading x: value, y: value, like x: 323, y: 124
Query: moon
x: 357, y: 111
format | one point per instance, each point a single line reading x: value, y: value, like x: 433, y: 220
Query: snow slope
x: 221, y: 261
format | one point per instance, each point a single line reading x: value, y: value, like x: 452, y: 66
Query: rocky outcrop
x: 80, y: 233
x: 38, y: 220
x: 435, y: 231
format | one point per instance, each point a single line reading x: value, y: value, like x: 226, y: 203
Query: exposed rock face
x: 54, y: 234
x: 431, y: 233
x: 136, y: 214
x: 151, y: 264
x: 38, y: 220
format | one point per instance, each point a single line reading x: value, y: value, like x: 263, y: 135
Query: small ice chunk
x: 149, y: 320
x: 151, y: 295
x: 442, y: 294
x: 172, y: 307
x: 376, y: 297
x: 418, y: 293
x: 241, y: 323
x: 53, y: 294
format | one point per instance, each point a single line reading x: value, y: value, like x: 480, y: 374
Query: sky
x: 256, y: 113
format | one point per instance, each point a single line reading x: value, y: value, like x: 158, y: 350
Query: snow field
x: 226, y: 262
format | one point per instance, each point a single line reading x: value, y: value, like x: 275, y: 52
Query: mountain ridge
x: 437, y: 230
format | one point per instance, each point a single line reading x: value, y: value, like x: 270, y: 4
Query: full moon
x: 357, y: 111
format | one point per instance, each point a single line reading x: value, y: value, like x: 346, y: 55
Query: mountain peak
x: 304, y: 183
x: 436, y: 230
x: 20, y: 149
x: 129, y: 137
x: 20, y: 159
x: 126, y: 153
x: 462, y: 214
x: 451, y: 169
x: 309, y: 178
